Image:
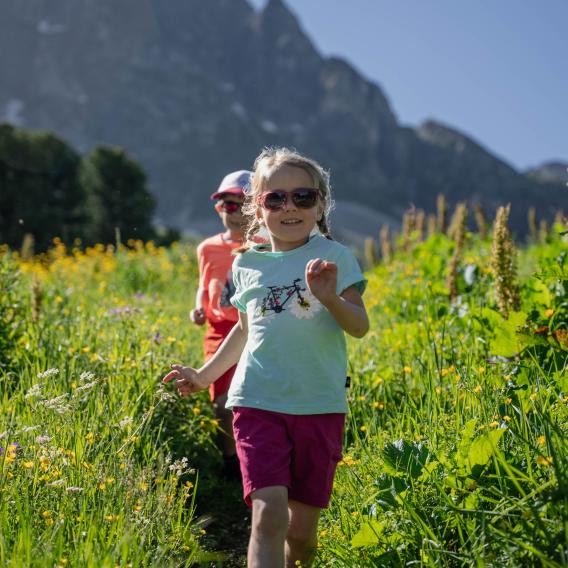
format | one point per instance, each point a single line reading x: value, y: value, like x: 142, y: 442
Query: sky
x: 496, y: 70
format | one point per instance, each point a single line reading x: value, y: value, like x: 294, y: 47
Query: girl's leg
x: 301, y: 540
x: 269, y: 527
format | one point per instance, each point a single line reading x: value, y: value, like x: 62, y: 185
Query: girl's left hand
x: 321, y: 278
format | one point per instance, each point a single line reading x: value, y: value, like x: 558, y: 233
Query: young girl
x: 296, y: 297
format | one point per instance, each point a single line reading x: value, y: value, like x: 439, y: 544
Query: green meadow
x: 455, y: 450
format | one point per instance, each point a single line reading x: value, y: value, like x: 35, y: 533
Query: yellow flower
x: 508, y: 400
x: 549, y: 313
x: 507, y: 418
x: 111, y: 518
x: 444, y: 372
x: 478, y: 388
x: 407, y: 369
x: 46, y: 514
x: 541, y: 440
x: 28, y: 464
x: 362, y: 397
x: 438, y: 390
x: 544, y: 460
x: 86, y: 349
x: 481, y: 370
x: 89, y: 437
x: 196, y: 410
x: 363, y: 428
x: 102, y: 486
x: 494, y: 424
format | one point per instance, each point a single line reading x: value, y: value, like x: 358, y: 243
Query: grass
x: 455, y: 450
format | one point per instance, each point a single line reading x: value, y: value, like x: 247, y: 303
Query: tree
x: 117, y: 196
x: 39, y: 188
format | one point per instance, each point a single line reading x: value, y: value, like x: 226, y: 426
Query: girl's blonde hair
x: 269, y: 161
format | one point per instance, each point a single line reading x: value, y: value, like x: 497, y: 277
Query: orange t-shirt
x: 215, y: 259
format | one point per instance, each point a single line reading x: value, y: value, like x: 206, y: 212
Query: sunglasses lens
x: 231, y: 206
x: 273, y: 200
x: 305, y: 198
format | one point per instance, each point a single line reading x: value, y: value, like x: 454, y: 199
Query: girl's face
x: 289, y: 227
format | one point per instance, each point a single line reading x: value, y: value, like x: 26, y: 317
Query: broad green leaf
x: 369, y: 534
x: 483, y: 448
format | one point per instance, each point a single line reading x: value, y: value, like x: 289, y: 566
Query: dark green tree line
x: 47, y: 190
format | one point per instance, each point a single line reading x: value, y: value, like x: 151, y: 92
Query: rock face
x: 195, y: 89
x: 550, y: 172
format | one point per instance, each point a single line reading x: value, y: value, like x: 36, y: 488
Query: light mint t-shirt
x: 295, y: 358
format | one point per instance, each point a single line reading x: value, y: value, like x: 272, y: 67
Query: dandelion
x: 478, y: 389
x: 507, y: 418
x: 407, y: 369
x: 541, y: 440
x: 544, y: 460
x: 111, y: 518
x: 549, y: 313
x: 28, y: 464
x: 494, y: 424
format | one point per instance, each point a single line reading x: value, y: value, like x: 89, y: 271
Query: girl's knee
x: 270, y: 515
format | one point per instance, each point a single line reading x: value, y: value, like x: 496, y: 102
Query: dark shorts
x: 300, y: 452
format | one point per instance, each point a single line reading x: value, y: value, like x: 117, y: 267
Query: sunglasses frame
x: 221, y: 205
x: 285, y: 195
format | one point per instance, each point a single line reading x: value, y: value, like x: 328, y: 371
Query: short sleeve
x: 237, y: 297
x: 349, y: 272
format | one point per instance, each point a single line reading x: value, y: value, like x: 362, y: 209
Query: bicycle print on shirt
x: 297, y: 299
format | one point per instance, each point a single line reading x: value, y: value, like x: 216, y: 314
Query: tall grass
x: 455, y: 450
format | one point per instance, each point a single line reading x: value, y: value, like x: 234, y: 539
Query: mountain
x: 195, y: 89
x: 550, y: 172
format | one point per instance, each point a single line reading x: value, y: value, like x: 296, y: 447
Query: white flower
x: 125, y: 422
x: 306, y: 308
x: 35, y: 391
x: 42, y: 439
x: 74, y: 489
x: 86, y: 386
x: 86, y: 376
x: 48, y: 373
x: 57, y: 483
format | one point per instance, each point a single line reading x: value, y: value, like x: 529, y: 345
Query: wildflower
x: 73, y: 489
x: 89, y: 437
x: 407, y: 369
x: 478, y: 389
x: 126, y: 421
x: 111, y: 518
x: 179, y: 466
x: 363, y: 428
x: 438, y: 390
x: 35, y: 391
x: 508, y: 400
x: 86, y: 376
x: 28, y: 464
x: 544, y: 460
x: 507, y: 418
x: 196, y: 410
x: 541, y: 440
x: 57, y: 483
x: 46, y: 514
x: 48, y: 373
x: 549, y: 313
x: 86, y: 386
x: 494, y: 424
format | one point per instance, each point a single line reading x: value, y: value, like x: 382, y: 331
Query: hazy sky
x: 496, y: 70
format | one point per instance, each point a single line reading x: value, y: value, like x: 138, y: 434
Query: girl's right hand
x: 197, y: 316
x: 186, y: 380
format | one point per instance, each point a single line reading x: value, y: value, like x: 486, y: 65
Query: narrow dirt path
x: 224, y: 516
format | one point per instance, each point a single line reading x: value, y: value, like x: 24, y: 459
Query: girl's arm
x: 197, y: 315
x: 348, y: 308
x: 188, y: 380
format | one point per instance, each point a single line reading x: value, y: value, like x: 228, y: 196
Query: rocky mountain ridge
x: 194, y: 89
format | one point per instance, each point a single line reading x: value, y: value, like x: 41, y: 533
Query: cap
x: 235, y: 183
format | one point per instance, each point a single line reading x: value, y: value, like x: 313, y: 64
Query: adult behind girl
x: 296, y: 297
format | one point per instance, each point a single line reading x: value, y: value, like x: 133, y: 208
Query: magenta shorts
x: 299, y: 452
